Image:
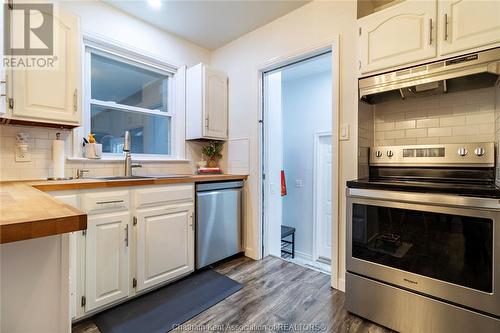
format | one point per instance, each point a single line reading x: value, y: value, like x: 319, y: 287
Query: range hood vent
x: 472, y: 71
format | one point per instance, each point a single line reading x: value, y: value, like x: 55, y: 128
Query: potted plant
x: 212, y: 151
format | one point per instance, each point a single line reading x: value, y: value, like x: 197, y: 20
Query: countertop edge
x: 75, y: 219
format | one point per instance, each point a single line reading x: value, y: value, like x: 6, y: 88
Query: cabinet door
x: 107, y: 259
x: 165, y: 244
x: 399, y: 35
x: 215, y: 103
x: 468, y: 24
x: 52, y: 95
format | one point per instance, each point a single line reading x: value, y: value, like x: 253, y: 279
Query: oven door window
x: 452, y: 248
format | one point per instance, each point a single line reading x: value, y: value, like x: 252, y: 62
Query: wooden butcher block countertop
x: 27, y: 212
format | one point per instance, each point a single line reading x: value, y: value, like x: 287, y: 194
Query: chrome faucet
x: 128, y: 156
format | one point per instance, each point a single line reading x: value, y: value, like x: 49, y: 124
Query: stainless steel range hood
x: 471, y: 71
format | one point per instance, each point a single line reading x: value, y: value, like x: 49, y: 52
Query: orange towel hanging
x: 283, y: 183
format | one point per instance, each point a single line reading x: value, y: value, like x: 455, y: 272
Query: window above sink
x: 127, y: 90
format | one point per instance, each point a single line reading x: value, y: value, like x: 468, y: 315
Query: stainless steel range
x: 423, y: 239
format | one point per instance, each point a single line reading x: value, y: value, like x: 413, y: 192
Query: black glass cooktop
x: 476, y: 189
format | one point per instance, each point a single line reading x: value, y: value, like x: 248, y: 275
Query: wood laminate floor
x: 278, y: 294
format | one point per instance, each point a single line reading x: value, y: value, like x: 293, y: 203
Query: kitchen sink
x: 119, y: 177
x: 168, y: 176
x: 139, y: 177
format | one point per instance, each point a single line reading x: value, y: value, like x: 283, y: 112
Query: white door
x: 273, y: 139
x: 323, y: 189
x: 52, y: 95
x: 399, y: 35
x: 165, y: 244
x: 215, y: 103
x: 467, y: 24
x: 107, y: 259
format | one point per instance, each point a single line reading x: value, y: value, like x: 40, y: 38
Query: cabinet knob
x: 462, y: 152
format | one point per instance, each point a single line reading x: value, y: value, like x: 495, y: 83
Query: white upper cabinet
x: 399, y: 35
x: 411, y: 32
x: 53, y: 95
x: 206, y: 103
x: 107, y: 259
x: 165, y: 244
x: 468, y: 24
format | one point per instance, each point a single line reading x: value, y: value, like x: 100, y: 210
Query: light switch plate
x: 344, y: 132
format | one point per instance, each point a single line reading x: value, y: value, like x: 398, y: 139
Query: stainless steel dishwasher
x: 218, y: 221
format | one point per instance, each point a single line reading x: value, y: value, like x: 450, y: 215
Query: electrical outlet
x: 23, y: 157
x: 23, y: 147
x: 272, y: 188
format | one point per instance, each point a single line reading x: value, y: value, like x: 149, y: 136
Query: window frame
x: 139, y: 58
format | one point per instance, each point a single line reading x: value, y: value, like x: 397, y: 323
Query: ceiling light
x: 155, y: 3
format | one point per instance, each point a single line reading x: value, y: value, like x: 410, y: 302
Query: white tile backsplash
x: 449, y: 118
x: 40, y: 166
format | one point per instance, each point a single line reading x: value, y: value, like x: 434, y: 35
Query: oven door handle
x: 426, y: 198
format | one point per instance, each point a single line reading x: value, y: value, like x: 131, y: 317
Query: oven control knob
x: 390, y: 153
x: 462, y: 151
x: 479, y: 151
x: 378, y: 153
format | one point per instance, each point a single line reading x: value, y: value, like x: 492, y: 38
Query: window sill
x: 121, y: 159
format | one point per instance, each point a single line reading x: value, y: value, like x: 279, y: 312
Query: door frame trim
x: 332, y: 45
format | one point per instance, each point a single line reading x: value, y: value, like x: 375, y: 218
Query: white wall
x: 98, y: 18
x: 306, y: 112
x: 312, y: 24
x: 101, y: 19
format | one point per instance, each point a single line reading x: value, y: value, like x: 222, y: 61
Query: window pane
x: 150, y: 134
x: 115, y: 81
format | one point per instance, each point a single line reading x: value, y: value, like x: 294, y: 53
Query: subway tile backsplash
x: 40, y: 166
x: 449, y: 118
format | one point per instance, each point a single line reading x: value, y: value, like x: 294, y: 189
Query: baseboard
x: 303, y: 255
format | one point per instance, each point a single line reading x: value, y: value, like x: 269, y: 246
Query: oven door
x: 443, y: 246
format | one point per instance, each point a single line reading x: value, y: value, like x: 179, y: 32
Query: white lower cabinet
x: 137, y: 238
x: 107, y: 259
x: 165, y: 244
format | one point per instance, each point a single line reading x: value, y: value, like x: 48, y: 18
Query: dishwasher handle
x: 218, y: 186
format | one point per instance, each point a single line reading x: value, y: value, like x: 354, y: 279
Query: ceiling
x: 316, y: 65
x: 208, y: 23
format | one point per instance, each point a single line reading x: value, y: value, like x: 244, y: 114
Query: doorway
x: 297, y: 162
